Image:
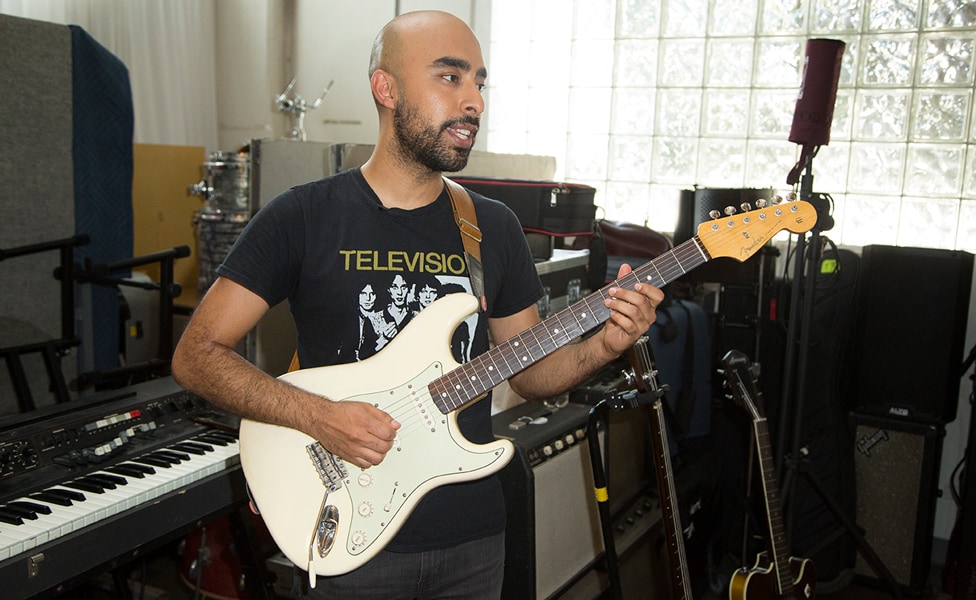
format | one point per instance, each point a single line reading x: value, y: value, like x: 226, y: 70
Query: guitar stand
x: 600, y: 460
x: 795, y: 384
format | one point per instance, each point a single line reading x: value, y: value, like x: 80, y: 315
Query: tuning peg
x: 745, y: 207
x: 777, y: 199
x: 791, y: 197
x: 729, y: 210
x: 714, y: 214
x: 761, y: 203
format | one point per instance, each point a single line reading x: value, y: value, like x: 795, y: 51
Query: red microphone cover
x: 818, y: 90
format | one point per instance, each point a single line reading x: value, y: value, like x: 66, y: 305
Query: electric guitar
x: 771, y: 576
x: 328, y: 517
x: 645, y: 381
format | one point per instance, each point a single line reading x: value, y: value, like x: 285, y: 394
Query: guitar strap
x: 467, y: 222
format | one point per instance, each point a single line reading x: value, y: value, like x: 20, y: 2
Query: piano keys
x: 90, y: 485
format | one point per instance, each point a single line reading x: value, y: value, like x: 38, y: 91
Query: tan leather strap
x: 467, y: 222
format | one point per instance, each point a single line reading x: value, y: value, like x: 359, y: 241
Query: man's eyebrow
x: 459, y: 63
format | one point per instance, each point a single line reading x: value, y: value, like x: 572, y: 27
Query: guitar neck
x: 472, y: 380
x: 777, y: 532
x: 671, y: 517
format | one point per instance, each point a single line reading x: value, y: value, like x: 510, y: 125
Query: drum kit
x: 225, y: 211
x: 224, y: 188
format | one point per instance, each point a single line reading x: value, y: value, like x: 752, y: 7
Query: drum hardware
x: 226, y: 210
x: 225, y: 183
x: 297, y: 107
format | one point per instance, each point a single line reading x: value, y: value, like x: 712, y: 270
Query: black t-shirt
x: 355, y: 273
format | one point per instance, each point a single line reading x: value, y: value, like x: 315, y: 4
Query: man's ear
x: 384, y: 88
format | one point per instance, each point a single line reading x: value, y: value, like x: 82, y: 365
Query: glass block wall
x: 644, y: 98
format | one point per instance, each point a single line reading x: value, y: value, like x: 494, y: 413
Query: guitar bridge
x: 331, y: 470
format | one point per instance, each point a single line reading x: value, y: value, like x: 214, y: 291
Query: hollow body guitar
x: 328, y: 517
x: 777, y: 575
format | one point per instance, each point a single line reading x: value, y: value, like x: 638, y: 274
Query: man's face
x: 367, y: 298
x: 398, y: 290
x: 426, y: 295
x: 440, y: 101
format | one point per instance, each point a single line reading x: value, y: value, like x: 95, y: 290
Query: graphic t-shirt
x: 355, y: 273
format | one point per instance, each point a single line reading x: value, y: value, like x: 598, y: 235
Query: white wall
x: 263, y: 44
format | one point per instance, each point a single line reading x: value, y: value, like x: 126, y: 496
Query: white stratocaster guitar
x: 329, y: 517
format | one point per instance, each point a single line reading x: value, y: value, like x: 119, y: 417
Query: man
x: 312, y: 244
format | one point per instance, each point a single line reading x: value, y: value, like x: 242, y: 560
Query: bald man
x: 320, y: 244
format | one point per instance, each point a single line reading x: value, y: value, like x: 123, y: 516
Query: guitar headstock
x: 740, y: 380
x: 740, y: 235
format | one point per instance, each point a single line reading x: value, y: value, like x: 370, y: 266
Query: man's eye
x: 452, y: 78
x: 481, y: 87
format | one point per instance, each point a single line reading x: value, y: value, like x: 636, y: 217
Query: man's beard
x: 424, y: 144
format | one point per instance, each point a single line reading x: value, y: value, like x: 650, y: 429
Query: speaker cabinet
x: 554, y: 541
x: 912, y: 311
x: 896, y: 467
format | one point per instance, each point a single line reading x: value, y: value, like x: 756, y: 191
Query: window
x: 644, y: 98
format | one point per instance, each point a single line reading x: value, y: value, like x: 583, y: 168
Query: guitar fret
x: 773, y: 508
x: 471, y: 380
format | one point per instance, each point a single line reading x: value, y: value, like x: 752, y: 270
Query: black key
x: 200, y: 445
x: 11, y: 518
x: 190, y: 448
x: 168, y: 458
x: 67, y: 494
x: 113, y: 479
x: 53, y: 498
x: 14, y: 511
x: 179, y: 456
x: 211, y: 438
x: 34, y: 507
x: 85, y: 485
x: 230, y: 437
x: 92, y: 479
x: 128, y: 470
x: 152, y: 461
x: 145, y: 469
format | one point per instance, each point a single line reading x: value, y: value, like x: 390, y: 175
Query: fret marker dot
x: 491, y: 368
x: 457, y: 387
x: 525, y: 358
x: 583, y: 315
x: 474, y: 378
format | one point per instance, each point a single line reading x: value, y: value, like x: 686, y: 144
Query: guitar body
x: 759, y: 582
x: 372, y: 504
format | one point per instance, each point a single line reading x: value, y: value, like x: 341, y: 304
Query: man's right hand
x: 357, y: 432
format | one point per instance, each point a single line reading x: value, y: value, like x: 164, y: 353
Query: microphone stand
x: 790, y: 461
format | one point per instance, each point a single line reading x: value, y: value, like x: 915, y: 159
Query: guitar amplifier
x: 554, y: 542
x: 896, y: 468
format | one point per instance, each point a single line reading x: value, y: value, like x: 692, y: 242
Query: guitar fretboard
x: 473, y: 379
x: 777, y: 532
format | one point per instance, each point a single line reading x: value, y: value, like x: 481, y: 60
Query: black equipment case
x: 548, y: 207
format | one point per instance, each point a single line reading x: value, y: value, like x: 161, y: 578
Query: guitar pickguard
x: 424, y: 451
